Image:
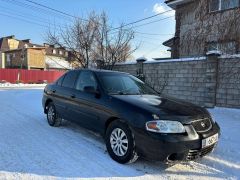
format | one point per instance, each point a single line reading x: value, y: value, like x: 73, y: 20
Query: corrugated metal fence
x: 29, y: 76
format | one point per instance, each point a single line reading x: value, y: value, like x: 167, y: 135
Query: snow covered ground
x: 30, y: 149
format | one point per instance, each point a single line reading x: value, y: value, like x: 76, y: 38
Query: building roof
x: 20, y: 49
x: 174, y: 3
x: 49, y: 51
x: 170, y: 42
x: 101, y: 71
x: 3, y: 44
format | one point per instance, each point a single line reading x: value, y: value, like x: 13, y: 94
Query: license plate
x: 209, y: 141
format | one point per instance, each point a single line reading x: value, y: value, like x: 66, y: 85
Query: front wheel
x: 120, y: 143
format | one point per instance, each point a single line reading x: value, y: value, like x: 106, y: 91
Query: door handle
x: 73, y: 96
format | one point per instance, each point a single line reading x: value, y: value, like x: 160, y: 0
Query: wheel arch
x: 46, y: 104
x: 111, y: 120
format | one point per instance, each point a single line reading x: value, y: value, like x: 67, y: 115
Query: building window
x: 54, y: 51
x: 66, y: 54
x: 218, y: 5
x: 60, y: 52
x: 224, y: 47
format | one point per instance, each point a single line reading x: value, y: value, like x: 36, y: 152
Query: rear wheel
x: 52, y: 117
x: 120, y: 143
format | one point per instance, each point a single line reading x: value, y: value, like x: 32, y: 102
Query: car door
x: 65, y: 96
x: 87, y: 106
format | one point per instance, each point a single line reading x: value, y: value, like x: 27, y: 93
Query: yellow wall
x: 36, y: 58
x: 13, y: 44
x: 2, y: 60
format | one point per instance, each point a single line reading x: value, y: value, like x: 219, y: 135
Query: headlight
x: 164, y: 126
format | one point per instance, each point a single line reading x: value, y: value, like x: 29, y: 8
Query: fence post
x: 212, y: 78
x: 140, y: 64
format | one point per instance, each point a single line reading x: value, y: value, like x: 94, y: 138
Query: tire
x: 52, y: 117
x: 122, y: 150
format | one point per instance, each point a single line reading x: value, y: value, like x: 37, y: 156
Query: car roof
x: 100, y: 71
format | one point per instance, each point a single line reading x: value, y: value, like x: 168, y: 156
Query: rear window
x: 69, y: 79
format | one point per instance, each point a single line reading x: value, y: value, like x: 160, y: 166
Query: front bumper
x: 174, y: 147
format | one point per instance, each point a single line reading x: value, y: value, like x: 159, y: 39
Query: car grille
x: 195, y: 154
x: 202, y: 125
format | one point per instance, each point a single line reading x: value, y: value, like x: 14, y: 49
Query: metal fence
x: 29, y: 76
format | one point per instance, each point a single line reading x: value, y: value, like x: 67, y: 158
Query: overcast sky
x: 27, y: 22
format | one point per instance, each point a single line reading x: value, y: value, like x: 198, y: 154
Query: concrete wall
x: 194, y: 80
x: 228, y: 91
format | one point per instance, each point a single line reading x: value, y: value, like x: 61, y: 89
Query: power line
x: 147, y: 23
x: 24, y: 15
x: 150, y: 38
x: 21, y: 19
x: 69, y: 15
x: 152, y: 34
x: 55, y: 10
x: 152, y: 22
x: 140, y: 20
x: 33, y: 8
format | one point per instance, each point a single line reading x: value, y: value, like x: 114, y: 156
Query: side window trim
x: 75, y: 83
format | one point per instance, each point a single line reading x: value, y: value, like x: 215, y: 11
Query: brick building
x: 23, y: 54
x: 203, y: 25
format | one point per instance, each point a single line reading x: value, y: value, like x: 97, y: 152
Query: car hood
x: 165, y: 106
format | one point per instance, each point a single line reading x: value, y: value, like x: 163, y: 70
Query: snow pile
x: 176, y: 60
x: 214, y: 52
x: 30, y: 149
x: 20, y: 85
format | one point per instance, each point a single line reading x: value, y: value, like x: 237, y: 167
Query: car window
x: 124, y: 84
x: 60, y: 80
x: 86, y: 78
x: 69, y: 79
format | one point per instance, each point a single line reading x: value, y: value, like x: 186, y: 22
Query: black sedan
x: 134, y: 120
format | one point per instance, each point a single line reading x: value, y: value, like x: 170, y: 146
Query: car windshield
x: 123, y: 84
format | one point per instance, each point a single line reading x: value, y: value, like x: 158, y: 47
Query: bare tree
x: 92, y: 40
x: 78, y: 38
x: 113, y: 45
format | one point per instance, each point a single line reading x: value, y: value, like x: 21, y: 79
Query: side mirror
x: 91, y: 90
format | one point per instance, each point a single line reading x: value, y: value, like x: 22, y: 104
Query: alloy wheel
x: 51, y: 114
x: 119, y: 142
